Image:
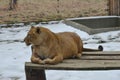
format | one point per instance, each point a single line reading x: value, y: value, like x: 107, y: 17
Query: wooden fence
x: 114, y: 7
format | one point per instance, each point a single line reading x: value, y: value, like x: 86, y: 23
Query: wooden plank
x: 105, y: 60
x: 79, y: 65
x: 99, y: 57
x: 102, y: 53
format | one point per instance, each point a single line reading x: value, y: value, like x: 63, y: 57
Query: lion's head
x: 35, y: 36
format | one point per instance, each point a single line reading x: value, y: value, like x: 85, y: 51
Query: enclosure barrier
x: 94, y: 25
x: 106, y: 60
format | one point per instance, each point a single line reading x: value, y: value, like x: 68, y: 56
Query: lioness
x: 51, y: 48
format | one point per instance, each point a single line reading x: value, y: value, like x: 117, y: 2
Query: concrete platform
x: 93, y: 25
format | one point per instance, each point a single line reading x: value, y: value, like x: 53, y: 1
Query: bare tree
x: 13, y: 4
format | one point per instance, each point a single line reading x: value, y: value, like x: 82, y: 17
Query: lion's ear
x: 38, y: 30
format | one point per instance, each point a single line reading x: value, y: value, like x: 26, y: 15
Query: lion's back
x: 69, y: 36
x: 70, y: 43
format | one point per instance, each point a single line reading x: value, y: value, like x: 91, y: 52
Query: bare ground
x: 46, y: 10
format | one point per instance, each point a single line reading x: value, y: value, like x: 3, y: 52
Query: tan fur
x: 52, y: 48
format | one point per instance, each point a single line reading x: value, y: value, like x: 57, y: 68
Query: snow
x: 14, y: 53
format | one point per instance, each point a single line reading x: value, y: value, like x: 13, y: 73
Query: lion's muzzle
x: 27, y: 42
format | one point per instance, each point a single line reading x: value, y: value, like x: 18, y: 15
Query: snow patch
x: 13, y: 55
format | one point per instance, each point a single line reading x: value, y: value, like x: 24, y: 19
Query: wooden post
x: 13, y: 4
x: 35, y: 74
x: 111, y: 7
x: 119, y: 8
x: 114, y: 7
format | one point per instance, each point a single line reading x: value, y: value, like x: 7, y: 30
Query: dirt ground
x: 46, y: 10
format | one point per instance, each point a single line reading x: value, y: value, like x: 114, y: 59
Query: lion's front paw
x: 41, y: 62
x: 48, y: 61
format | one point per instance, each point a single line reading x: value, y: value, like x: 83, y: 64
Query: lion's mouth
x: 28, y: 44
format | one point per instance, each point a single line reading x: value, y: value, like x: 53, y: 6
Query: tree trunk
x: 10, y: 5
x: 13, y: 4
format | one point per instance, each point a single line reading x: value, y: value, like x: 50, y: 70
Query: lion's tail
x: 100, y: 48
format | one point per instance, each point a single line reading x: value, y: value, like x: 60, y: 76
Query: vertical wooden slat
x: 110, y: 7
x: 114, y: 7
x: 119, y: 8
x: 35, y: 74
